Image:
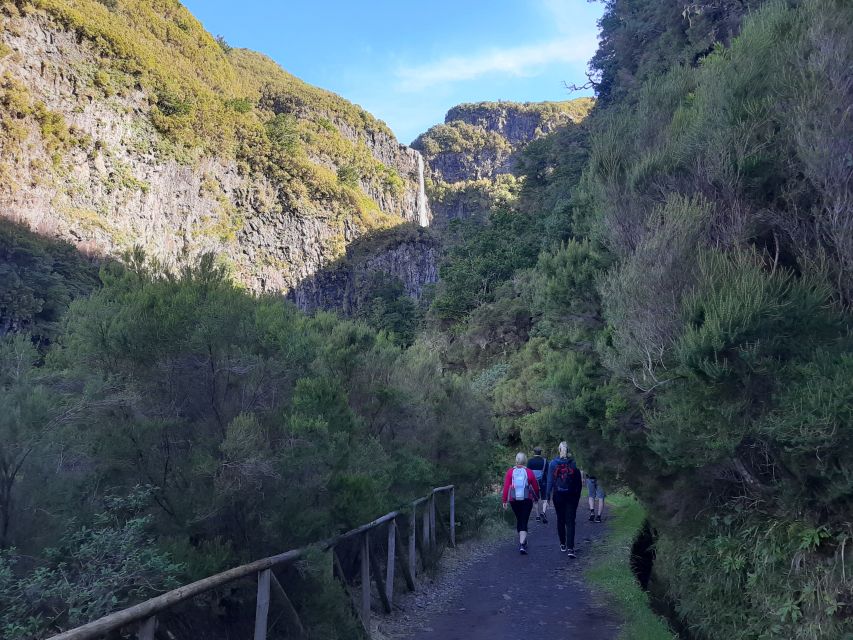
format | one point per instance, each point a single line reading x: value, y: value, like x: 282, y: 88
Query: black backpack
x: 567, y: 478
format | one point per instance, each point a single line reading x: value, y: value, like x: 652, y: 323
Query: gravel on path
x: 486, y: 590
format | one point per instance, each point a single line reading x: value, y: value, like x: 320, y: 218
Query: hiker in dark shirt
x: 538, y: 464
x: 564, y: 492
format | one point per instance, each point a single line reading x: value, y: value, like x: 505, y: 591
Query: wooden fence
x: 144, y: 615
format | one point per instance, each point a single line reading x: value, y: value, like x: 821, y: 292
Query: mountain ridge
x: 219, y: 151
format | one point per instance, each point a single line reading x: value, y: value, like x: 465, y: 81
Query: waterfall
x: 423, y: 211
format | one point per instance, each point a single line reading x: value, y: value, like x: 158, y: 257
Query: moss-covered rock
x: 474, y: 156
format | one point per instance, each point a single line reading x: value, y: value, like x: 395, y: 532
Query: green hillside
x: 304, y: 149
x: 671, y: 292
x: 205, y: 92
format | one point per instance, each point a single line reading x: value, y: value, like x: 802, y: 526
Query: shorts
x: 595, y: 490
x: 541, y: 495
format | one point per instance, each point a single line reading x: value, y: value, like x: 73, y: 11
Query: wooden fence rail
x: 144, y: 614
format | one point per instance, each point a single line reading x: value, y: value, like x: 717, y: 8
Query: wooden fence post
x: 453, y: 517
x: 425, y: 535
x: 262, y: 607
x: 432, y: 523
x: 365, y: 580
x: 391, y: 565
x: 413, y: 527
x: 376, y: 570
x: 147, y: 629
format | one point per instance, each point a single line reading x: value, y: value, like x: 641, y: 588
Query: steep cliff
x: 471, y: 167
x: 470, y: 164
x: 472, y: 155
x: 407, y: 256
x: 124, y: 123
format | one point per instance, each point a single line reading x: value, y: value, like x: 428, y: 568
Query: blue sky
x: 409, y: 62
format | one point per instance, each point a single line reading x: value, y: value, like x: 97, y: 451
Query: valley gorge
x: 89, y: 159
x: 238, y: 316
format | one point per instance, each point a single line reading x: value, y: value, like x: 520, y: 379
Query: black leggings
x: 521, y: 509
x: 566, y: 506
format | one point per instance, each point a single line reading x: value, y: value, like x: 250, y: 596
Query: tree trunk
x: 5, y: 510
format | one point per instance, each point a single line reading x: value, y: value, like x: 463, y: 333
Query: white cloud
x: 563, y: 14
x: 516, y: 61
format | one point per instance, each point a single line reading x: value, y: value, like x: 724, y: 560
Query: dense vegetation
x: 461, y: 137
x: 38, y: 279
x: 546, y: 113
x: 686, y: 323
x: 177, y: 426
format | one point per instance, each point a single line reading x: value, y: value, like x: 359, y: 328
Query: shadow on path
x: 507, y: 596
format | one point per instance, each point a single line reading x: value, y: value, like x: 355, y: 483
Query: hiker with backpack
x: 564, y: 492
x: 520, y: 490
x: 538, y: 464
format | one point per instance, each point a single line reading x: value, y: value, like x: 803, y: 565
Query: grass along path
x: 611, y: 571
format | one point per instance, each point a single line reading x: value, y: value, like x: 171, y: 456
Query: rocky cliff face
x: 470, y: 163
x: 517, y: 123
x: 471, y: 156
x: 479, y: 140
x: 408, y: 255
x: 96, y: 148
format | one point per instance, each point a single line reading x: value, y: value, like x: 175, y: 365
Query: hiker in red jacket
x: 520, y: 490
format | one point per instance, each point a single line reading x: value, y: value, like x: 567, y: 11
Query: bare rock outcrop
x: 90, y: 166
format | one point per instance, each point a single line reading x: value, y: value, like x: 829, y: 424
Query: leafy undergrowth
x: 612, y: 572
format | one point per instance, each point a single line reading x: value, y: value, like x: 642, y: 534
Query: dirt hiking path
x: 502, y: 595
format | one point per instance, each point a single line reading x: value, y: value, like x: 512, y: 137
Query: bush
x: 349, y: 175
x: 240, y: 105
x: 223, y: 44
x: 93, y: 572
x: 38, y: 279
x: 171, y: 104
x: 642, y: 296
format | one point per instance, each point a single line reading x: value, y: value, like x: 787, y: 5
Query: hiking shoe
x: 563, y: 548
x: 522, y: 549
x: 544, y: 519
x: 571, y: 553
x: 598, y: 518
x: 591, y: 516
